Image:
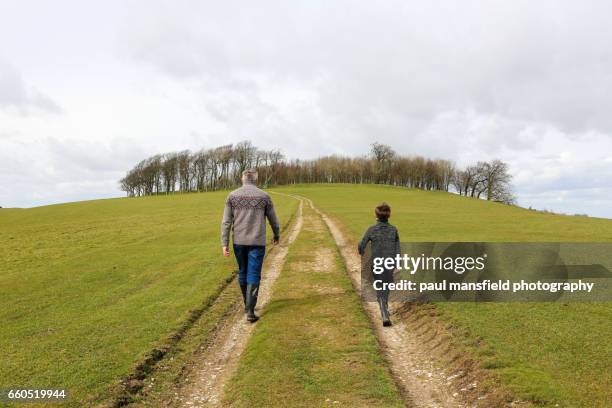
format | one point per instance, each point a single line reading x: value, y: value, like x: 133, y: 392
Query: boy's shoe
x: 384, y: 311
x: 252, y: 318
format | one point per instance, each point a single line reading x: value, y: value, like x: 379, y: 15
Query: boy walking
x: 385, y: 241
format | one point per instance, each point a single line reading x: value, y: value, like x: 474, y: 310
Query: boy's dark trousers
x: 382, y: 297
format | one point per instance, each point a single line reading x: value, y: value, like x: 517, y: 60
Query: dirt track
x: 205, y: 380
x: 421, y: 381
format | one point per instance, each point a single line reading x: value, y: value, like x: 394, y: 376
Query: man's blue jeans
x: 250, y: 259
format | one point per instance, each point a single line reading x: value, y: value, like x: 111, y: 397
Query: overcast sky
x: 88, y: 88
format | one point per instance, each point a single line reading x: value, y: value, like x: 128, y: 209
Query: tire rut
x: 421, y: 381
x: 204, y: 383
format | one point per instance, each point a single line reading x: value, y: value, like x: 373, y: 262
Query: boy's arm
x: 364, y: 242
x: 398, y: 247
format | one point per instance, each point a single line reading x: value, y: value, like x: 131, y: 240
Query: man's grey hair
x: 249, y: 176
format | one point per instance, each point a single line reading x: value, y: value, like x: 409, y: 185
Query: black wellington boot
x: 243, y: 289
x: 251, y: 300
x: 387, y: 321
x: 384, y: 309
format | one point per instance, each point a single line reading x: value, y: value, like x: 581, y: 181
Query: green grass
x: 313, y: 345
x: 160, y: 386
x: 550, y: 353
x: 86, y: 289
x: 424, y: 216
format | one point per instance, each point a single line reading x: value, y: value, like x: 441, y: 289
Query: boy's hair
x: 382, y: 211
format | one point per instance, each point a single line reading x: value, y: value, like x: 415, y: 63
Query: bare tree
x: 497, y: 180
x: 383, y: 156
x: 244, y: 153
x: 274, y: 159
x: 169, y: 169
x: 184, y: 170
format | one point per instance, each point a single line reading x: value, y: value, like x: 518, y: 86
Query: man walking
x: 246, y: 210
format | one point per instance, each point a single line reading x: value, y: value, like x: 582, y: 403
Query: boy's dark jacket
x: 384, y: 238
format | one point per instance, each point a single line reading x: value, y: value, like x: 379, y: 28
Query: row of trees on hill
x: 206, y: 170
x: 221, y: 167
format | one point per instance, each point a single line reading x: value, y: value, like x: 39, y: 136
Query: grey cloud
x: 16, y: 94
x: 94, y: 156
x: 544, y: 62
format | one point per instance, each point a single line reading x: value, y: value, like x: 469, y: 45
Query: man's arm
x: 273, y: 220
x: 226, y: 225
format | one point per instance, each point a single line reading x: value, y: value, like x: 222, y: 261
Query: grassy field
x: 86, y: 289
x: 547, y: 352
x: 313, y: 347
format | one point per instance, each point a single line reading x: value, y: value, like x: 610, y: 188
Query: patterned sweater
x: 246, y: 210
x: 384, y: 238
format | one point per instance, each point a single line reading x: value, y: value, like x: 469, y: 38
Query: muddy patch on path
x: 322, y: 261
